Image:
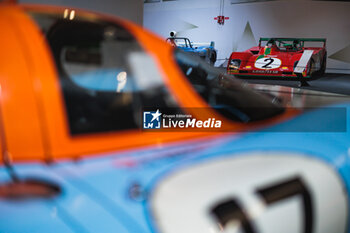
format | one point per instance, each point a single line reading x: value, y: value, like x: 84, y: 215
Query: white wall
x: 292, y: 18
x: 128, y: 9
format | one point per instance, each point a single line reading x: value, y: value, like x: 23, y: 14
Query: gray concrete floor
x: 334, y: 83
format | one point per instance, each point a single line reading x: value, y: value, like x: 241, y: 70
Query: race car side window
x: 105, y: 76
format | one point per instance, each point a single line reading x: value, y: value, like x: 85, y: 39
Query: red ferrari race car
x: 281, y: 57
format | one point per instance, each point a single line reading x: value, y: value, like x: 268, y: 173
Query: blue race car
x: 205, y: 50
x: 277, y: 180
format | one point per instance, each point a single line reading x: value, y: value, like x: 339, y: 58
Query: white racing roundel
x: 254, y: 193
x: 267, y: 63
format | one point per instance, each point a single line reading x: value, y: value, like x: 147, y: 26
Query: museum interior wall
x: 130, y: 9
x: 250, y: 20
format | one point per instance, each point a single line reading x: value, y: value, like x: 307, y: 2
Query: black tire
x: 311, y: 66
x: 207, y: 56
x: 324, y: 64
x: 213, y: 58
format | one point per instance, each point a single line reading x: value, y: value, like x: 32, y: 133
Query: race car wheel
x: 213, y: 58
x: 207, y: 56
x: 324, y: 64
x: 311, y: 67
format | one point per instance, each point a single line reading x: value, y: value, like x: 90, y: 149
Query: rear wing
x: 291, y: 40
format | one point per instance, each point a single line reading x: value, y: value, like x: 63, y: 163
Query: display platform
x: 329, y: 82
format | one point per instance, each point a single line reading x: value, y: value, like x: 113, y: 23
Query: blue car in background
x: 204, y: 50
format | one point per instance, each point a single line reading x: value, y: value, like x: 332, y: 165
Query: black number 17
x: 231, y: 210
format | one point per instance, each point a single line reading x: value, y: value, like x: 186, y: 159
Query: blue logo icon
x: 151, y: 120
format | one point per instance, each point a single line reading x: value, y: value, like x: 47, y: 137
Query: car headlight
x: 235, y: 63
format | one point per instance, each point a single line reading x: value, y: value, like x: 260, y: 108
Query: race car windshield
x: 105, y: 76
x: 179, y: 42
x: 283, y: 44
x: 224, y: 93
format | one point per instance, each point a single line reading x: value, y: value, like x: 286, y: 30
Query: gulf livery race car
x: 206, y: 51
x: 280, y: 57
x: 74, y: 156
x: 87, y: 96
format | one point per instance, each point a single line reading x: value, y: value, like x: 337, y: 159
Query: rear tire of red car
x: 311, y: 66
x: 324, y: 64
